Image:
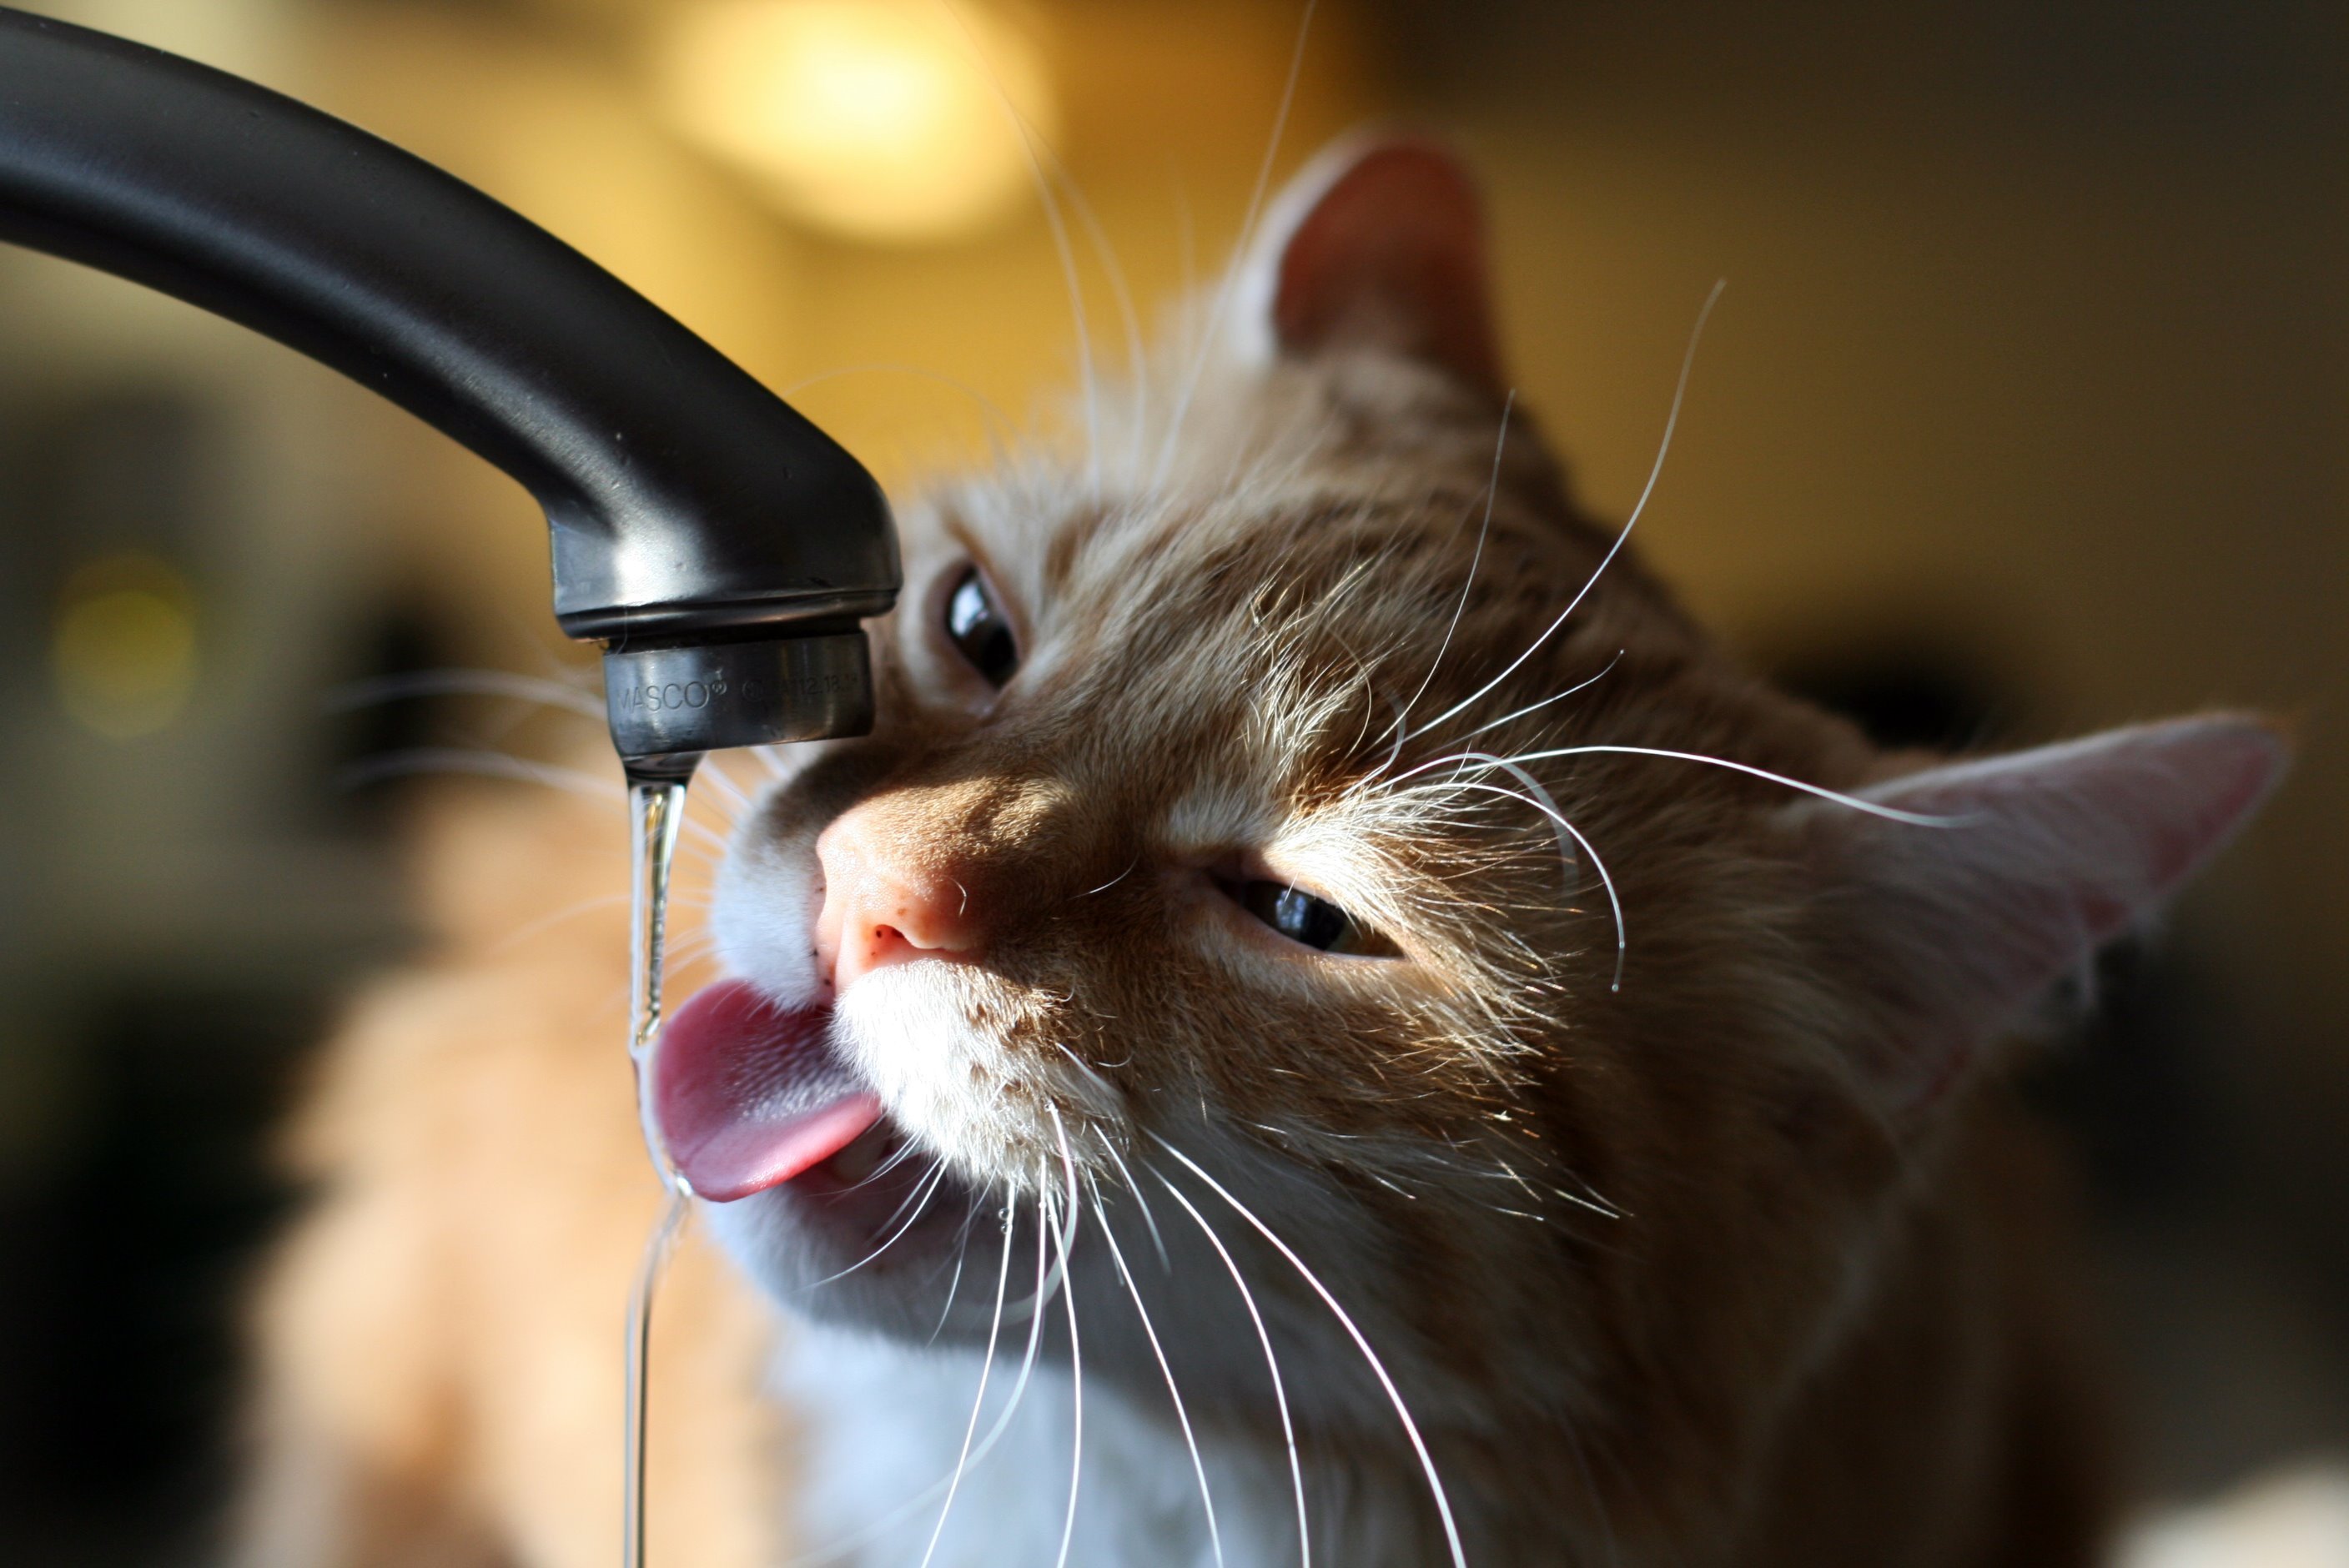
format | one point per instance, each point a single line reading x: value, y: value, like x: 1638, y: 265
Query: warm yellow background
x: 2035, y: 358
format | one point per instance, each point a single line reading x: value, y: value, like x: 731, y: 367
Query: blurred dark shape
x: 120, y: 1309
x: 367, y: 722
x: 2133, y: 1082
x: 2258, y: 63
x: 2032, y: 307
x: 124, y: 468
x: 2127, y: 1074
x: 2227, y: 1323
x: 1902, y: 691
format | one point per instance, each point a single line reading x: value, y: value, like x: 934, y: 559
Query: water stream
x: 655, y: 813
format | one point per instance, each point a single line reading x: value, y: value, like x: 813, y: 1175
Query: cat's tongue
x: 747, y: 1094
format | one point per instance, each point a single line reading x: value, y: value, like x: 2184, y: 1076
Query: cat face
x: 1147, y: 850
x: 1229, y: 951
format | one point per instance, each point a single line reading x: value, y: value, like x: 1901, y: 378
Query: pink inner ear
x: 1389, y: 254
x: 2053, y: 852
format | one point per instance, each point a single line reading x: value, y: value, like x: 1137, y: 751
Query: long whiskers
x: 906, y: 1151
x: 503, y: 765
x: 1582, y: 685
x: 1856, y: 802
x: 945, y: 1485
x: 1141, y: 1201
x: 1089, y: 381
x: 1067, y: 1236
x: 1181, y: 1417
x: 924, y: 1194
x: 1361, y: 1342
x: 1271, y: 1362
x: 1121, y: 291
x: 586, y: 906
x: 1036, y: 1305
x: 1671, y: 423
x: 954, y: 1286
x: 736, y: 799
x: 552, y: 693
x: 1491, y: 489
x: 1541, y: 801
x: 979, y: 1400
x: 1206, y: 347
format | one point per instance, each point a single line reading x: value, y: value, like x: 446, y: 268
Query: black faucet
x: 722, y: 549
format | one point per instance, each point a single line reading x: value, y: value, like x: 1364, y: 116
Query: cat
x: 1324, y: 982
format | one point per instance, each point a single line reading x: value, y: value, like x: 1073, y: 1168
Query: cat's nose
x: 883, y: 907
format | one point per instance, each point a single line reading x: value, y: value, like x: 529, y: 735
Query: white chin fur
x: 946, y: 1084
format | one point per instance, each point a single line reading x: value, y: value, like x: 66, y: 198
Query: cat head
x: 1299, y: 851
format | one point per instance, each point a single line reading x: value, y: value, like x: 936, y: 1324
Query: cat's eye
x: 1316, y: 923
x: 980, y: 630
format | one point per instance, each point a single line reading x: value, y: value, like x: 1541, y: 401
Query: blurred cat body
x: 1626, y: 1180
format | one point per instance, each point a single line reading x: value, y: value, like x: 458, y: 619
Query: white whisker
x: 714, y: 773
x: 1361, y: 1342
x: 924, y: 1193
x: 1121, y: 290
x: 1206, y: 347
x: 462, y: 760
x: 904, y: 1152
x: 1538, y: 707
x: 1491, y: 489
x: 1076, y: 1357
x: 1028, y: 1361
x: 489, y: 764
x: 954, y: 1286
x: 979, y: 1401
x: 986, y: 1444
x: 1542, y: 802
x: 465, y: 683
x: 1157, y: 1243
x: 1181, y: 1417
x: 531, y: 928
x: 1271, y: 1362
x: 1856, y: 803
x: 1112, y: 881
x: 1087, y: 381
x: 1671, y: 422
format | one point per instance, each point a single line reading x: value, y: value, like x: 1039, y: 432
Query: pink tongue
x: 748, y: 1095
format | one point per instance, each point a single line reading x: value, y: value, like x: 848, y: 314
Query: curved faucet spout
x: 721, y: 547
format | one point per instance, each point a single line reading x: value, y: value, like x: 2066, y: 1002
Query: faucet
x: 722, y: 549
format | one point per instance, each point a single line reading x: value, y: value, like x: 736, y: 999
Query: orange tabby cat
x: 1327, y: 1024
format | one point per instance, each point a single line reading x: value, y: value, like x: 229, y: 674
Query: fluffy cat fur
x: 1744, y: 1257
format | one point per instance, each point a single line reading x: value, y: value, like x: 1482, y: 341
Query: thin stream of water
x: 655, y: 813
x: 637, y: 1372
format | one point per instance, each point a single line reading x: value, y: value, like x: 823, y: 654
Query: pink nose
x: 881, y: 906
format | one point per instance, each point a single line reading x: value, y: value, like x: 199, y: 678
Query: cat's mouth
x: 748, y: 1094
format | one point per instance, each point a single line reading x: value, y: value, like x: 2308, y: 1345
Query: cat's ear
x: 1378, y: 243
x: 1953, y: 933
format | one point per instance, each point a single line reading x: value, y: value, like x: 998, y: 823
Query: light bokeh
x: 123, y: 650
x: 2026, y: 411
x: 884, y: 120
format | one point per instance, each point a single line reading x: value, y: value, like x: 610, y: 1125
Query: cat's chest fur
x: 880, y: 1426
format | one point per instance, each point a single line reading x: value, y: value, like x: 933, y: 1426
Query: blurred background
x: 2026, y: 411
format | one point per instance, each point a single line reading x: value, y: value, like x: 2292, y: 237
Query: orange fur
x: 440, y: 1377
x: 1747, y: 1261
